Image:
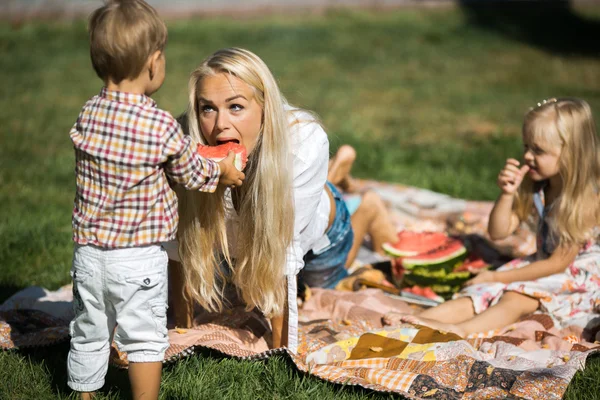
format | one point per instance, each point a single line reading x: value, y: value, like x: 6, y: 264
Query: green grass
x: 427, y: 97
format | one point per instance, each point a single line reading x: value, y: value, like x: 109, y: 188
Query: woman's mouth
x: 227, y: 140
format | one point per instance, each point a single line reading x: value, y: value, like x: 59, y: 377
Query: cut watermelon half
x: 413, y: 243
x: 219, y: 153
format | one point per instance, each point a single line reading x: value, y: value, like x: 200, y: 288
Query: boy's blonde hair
x: 266, y: 213
x: 123, y: 34
x: 568, y: 124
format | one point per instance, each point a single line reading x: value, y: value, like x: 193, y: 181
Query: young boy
x: 126, y: 151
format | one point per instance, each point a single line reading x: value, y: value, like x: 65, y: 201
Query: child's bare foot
x: 394, y: 318
x: 433, y: 324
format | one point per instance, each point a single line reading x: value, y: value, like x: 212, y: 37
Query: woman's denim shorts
x: 327, y: 267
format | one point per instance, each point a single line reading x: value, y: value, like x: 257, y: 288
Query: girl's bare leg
x: 509, y: 309
x: 450, y: 312
x: 340, y: 166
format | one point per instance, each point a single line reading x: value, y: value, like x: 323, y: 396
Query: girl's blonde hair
x: 266, y: 213
x: 568, y: 124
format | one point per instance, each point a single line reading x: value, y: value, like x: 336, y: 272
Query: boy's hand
x: 230, y: 176
x: 511, y: 176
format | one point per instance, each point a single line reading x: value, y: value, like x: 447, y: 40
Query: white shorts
x: 122, y: 288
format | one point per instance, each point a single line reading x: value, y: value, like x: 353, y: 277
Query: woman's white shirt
x: 310, y: 147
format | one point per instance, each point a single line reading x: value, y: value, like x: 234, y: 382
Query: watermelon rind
x: 459, y: 253
x: 388, y: 248
x: 391, y: 248
x: 424, y: 277
x: 446, y: 291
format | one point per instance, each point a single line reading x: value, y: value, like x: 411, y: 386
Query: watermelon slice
x: 426, y: 292
x: 426, y: 277
x: 413, y: 243
x: 472, y: 265
x: 219, y: 153
x: 446, y: 256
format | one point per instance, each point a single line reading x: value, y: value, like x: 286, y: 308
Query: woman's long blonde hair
x: 567, y: 123
x: 266, y: 213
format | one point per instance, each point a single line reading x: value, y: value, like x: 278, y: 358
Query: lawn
x: 432, y: 98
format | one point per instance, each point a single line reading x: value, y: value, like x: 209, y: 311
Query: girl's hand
x: 511, y: 176
x: 482, y: 277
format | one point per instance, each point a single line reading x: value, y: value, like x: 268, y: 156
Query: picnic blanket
x: 342, y: 339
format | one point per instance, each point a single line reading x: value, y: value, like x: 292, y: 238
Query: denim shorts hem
x: 327, y: 268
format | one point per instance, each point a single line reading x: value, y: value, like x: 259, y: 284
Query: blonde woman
x: 284, y: 218
x: 558, y: 183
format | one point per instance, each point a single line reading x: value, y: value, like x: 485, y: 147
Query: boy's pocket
x: 159, y: 315
x: 147, y: 280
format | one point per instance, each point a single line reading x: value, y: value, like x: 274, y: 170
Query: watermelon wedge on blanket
x: 472, y: 265
x: 413, y: 243
x: 431, y: 259
x: 218, y: 153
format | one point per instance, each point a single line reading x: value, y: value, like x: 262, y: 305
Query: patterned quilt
x: 342, y: 339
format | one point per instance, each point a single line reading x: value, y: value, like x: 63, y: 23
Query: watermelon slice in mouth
x: 219, y: 152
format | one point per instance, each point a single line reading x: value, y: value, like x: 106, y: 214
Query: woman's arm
x: 279, y: 326
x: 181, y: 298
x: 556, y: 263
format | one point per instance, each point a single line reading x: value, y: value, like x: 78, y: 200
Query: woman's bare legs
x: 340, y: 166
x: 371, y: 218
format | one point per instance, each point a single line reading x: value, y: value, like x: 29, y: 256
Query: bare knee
x: 518, y: 301
x: 372, y: 200
x: 346, y: 153
x: 370, y: 205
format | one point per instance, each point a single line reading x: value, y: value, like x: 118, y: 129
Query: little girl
x: 558, y: 185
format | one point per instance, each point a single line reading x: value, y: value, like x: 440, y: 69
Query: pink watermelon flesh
x: 218, y: 153
x: 449, y: 250
x: 413, y: 243
x: 472, y: 265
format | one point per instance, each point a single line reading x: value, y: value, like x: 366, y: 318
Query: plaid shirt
x: 125, y: 147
